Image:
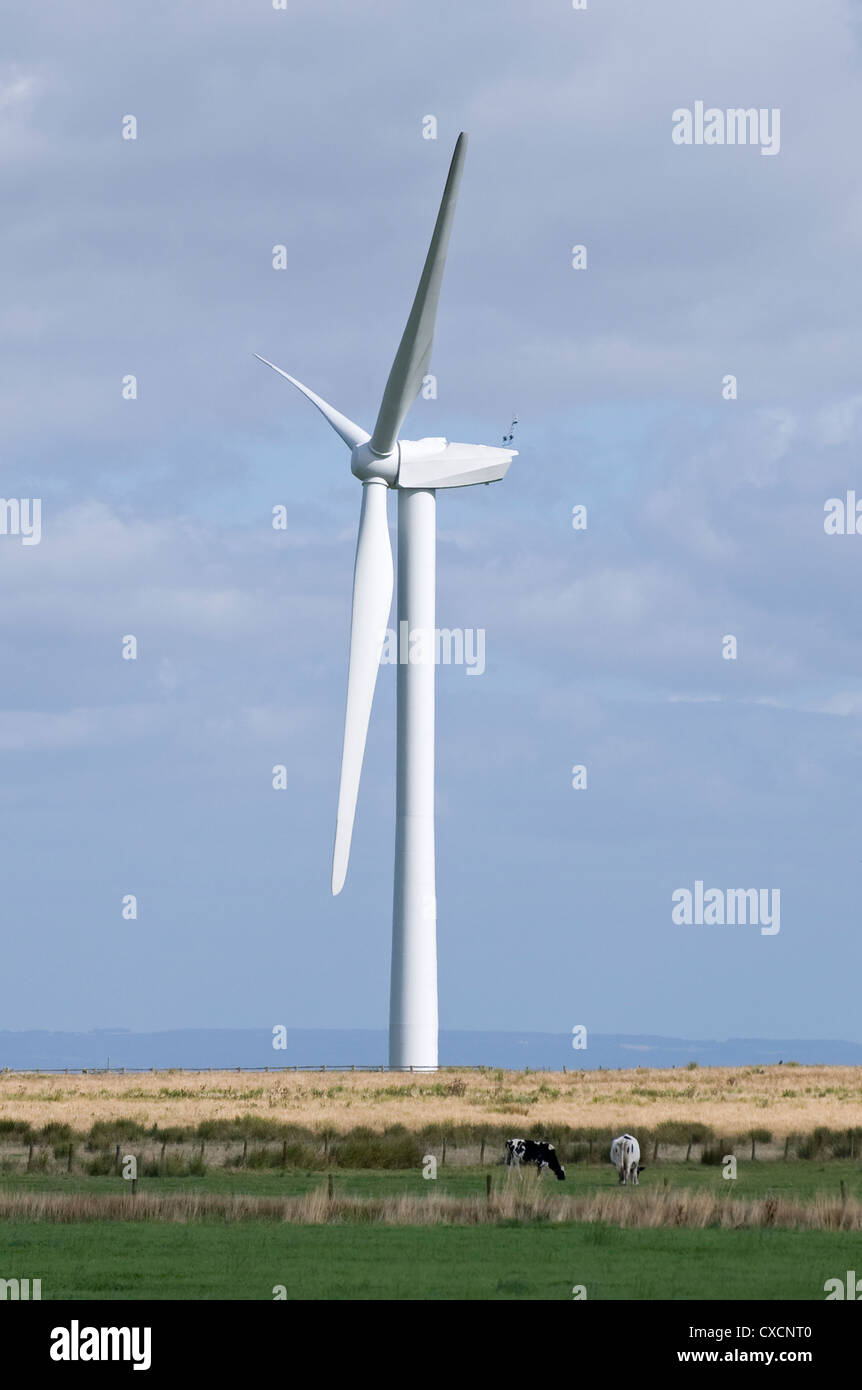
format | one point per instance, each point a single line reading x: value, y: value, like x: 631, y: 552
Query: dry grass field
x: 784, y: 1098
x: 517, y: 1201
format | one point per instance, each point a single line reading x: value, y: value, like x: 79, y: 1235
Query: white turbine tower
x: 415, y: 469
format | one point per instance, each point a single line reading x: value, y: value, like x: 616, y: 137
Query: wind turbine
x: 415, y: 469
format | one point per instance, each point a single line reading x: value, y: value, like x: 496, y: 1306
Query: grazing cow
x: 537, y: 1151
x: 626, y: 1156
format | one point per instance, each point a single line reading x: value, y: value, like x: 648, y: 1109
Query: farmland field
x: 787, y: 1098
x: 343, y: 1186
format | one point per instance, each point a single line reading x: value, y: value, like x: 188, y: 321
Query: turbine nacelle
x: 435, y: 463
x: 431, y: 463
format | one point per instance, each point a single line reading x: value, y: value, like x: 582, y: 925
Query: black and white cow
x: 537, y: 1151
x: 626, y: 1157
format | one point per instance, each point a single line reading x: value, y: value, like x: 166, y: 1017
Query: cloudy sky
x: 303, y: 127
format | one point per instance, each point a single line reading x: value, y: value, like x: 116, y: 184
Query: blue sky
x: 259, y: 127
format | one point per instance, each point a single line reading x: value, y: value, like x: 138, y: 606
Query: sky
x: 153, y: 257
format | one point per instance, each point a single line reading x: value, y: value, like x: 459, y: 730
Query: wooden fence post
x: 488, y: 1187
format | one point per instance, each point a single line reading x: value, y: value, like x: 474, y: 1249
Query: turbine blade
x: 350, y: 433
x: 372, y: 600
x: 414, y: 353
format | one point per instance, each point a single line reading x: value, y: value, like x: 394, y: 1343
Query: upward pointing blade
x: 372, y: 600
x: 350, y: 433
x: 414, y: 353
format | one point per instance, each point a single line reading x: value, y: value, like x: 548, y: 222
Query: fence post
x: 30, y: 1159
x: 443, y: 1159
x: 488, y: 1187
x: 482, y: 1153
x: 69, y: 1160
x: 329, y: 1187
x: 843, y: 1193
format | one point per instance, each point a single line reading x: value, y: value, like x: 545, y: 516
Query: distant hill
x: 225, y: 1048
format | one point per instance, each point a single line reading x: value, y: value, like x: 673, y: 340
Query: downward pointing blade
x: 372, y: 600
x: 414, y: 353
x: 350, y: 433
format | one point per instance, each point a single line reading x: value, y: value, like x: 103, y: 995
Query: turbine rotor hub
x: 365, y: 464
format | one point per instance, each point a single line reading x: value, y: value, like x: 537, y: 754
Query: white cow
x: 626, y: 1157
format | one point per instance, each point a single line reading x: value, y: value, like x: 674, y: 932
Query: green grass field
x: 103, y: 1260
x: 754, y: 1179
x: 215, y: 1259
